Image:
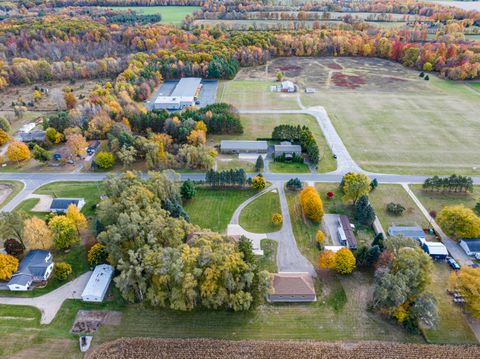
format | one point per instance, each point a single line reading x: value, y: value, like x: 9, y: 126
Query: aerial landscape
x: 239, y: 179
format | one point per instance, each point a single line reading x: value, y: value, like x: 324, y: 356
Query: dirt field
x: 390, y: 119
x: 198, y: 348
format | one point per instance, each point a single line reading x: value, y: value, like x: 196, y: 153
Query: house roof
x: 292, y: 283
x: 411, y: 232
x: 63, y: 203
x: 288, y: 148
x: 99, y: 280
x: 244, y: 145
x: 30, y: 136
x: 473, y: 244
x: 345, y: 224
x: 186, y: 87
x: 33, y: 265
x: 436, y: 248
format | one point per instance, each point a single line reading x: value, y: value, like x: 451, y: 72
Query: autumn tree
x: 77, y: 217
x: 105, y: 159
x: 127, y: 156
x: 327, y: 260
x: 18, y: 152
x: 41, y: 154
x: 52, y: 135
x: 62, y: 270
x: 259, y: 182
x: 5, y: 124
x: 70, y: 100
x: 344, y: 261
x: 467, y: 281
x: 4, y: 137
x: 13, y: 247
x: 8, y: 266
x: 64, y: 232
x: 354, y: 185
x: 77, y: 145
x: 12, y: 225
x: 277, y: 218
x: 311, y: 204
x: 197, y: 138
x: 37, y: 234
x: 97, y: 254
x: 320, y: 238
x: 279, y: 76
x: 200, y: 126
x: 459, y: 222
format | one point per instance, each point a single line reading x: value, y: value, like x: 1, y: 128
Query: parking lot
x: 207, y: 94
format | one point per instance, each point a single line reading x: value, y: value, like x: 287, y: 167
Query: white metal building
x: 185, y: 94
x: 98, y: 283
x: 233, y: 146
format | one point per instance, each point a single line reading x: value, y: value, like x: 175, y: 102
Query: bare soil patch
x: 348, y: 81
x: 88, y: 321
x: 200, y: 348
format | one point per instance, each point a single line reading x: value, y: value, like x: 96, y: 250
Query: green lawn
x: 76, y: 257
x: 170, y: 14
x: 27, y: 205
x: 213, y: 208
x: 17, y: 186
x: 435, y: 201
x: 385, y: 194
x: 286, y: 167
x: 261, y: 126
x: 268, y: 261
x: 452, y: 326
x: 234, y: 163
x: 256, y: 217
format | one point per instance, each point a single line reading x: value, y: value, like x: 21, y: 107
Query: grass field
x: 170, y: 14
x: 16, y: 186
x: 256, y: 217
x: 452, y: 326
x: 385, y: 194
x: 224, y: 163
x: 286, y: 167
x: 261, y: 126
x: 268, y: 261
x: 213, y: 208
x: 435, y: 201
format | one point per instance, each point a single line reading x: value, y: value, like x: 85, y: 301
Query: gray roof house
x: 32, y: 136
x: 60, y: 205
x: 232, y: 146
x: 35, y: 267
x: 287, y: 149
x: 414, y: 232
x: 470, y: 246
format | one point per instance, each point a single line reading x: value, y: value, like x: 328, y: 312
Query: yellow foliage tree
x: 258, y: 182
x: 8, y: 266
x: 354, y: 185
x: 77, y: 217
x: 37, y: 235
x: 459, y: 222
x: 277, y: 218
x: 345, y: 261
x: 327, y: 260
x: 197, y: 137
x: 320, y: 237
x: 467, y: 281
x: 53, y: 135
x: 4, y: 137
x: 18, y: 152
x: 200, y: 126
x: 77, y: 145
x: 311, y: 204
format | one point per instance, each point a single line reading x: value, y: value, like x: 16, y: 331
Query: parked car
x: 57, y: 156
x: 453, y: 263
x: 477, y: 256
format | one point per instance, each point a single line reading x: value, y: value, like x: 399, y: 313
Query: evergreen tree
x: 259, y: 165
x: 364, y: 211
x: 379, y: 241
x: 188, y: 190
x: 372, y: 255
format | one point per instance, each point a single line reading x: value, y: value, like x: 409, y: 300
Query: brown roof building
x: 292, y: 287
x: 345, y: 233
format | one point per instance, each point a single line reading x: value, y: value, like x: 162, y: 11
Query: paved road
x: 50, y: 303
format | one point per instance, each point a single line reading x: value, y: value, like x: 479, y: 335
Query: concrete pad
x: 255, y: 238
x: 44, y: 204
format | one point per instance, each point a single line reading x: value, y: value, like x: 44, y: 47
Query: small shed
x: 436, y: 250
x: 60, y: 205
x: 98, y: 283
x: 471, y: 246
x: 292, y: 287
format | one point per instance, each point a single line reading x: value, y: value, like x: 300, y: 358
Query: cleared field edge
x: 18, y: 186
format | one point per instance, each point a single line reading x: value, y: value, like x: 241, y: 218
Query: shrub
x: 4, y: 137
x: 4, y: 124
x: 97, y: 254
x: 294, y: 184
x: 395, y: 209
x: 320, y: 237
x: 259, y: 183
x: 344, y: 261
x: 312, y: 204
x: 330, y: 194
x: 433, y: 213
x: 277, y: 218
x: 105, y: 159
x: 13, y: 247
x: 62, y: 270
x: 188, y: 190
x: 8, y: 266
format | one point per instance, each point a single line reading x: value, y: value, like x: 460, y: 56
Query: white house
x: 471, y: 246
x: 287, y: 86
x: 98, y: 283
x: 35, y: 267
x: 60, y: 205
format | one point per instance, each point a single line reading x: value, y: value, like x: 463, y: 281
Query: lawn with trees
x: 256, y: 217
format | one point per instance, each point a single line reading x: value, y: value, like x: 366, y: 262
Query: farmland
x: 402, y: 123
x: 170, y: 14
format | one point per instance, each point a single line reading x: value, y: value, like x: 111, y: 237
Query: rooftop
x: 98, y: 281
x: 347, y: 229
x: 288, y: 148
x: 63, y: 203
x: 293, y: 283
x: 34, y: 264
x: 186, y: 87
x: 473, y: 244
x: 243, y: 145
x: 436, y: 248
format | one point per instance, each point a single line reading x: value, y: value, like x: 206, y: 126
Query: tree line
x: 453, y: 183
x: 301, y: 134
x: 232, y: 177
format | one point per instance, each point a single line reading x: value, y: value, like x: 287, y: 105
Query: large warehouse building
x: 185, y: 94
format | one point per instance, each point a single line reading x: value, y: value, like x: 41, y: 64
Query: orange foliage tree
x: 327, y: 260
x: 311, y: 204
x: 18, y: 152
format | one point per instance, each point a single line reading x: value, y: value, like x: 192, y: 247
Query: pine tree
x: 259, y: 165
x: 379, y: 241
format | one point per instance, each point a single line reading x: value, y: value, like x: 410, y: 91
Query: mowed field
x: 390, y: 119
x: 261, y: 126
x: 170, y: 14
